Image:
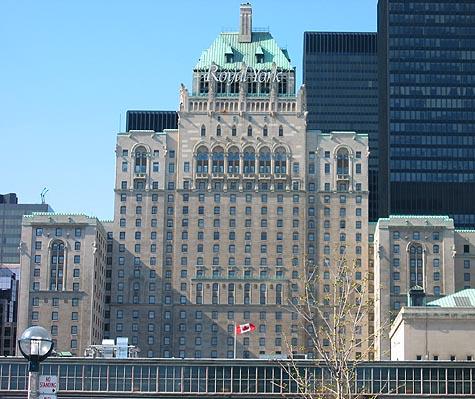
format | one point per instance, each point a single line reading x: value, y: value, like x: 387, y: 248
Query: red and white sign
x: 244, y: 328
x: 48, y: 385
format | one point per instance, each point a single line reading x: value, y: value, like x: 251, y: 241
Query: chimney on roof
x: 245, y: 23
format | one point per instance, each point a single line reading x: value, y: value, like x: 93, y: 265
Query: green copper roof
x: 393, y: 217
x: 262, y: 43
x: 461, y: 299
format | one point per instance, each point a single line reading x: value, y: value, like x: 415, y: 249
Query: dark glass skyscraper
x: 426, y: 55
x: 11, y: 214
x: 340, y: 73
x: 151, y: 120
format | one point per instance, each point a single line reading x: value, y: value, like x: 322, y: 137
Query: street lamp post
x: 35, y: 345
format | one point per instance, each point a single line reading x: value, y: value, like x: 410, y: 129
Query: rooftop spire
x: 245, y: 23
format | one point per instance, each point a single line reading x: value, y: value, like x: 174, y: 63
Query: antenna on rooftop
x: 43, y: 195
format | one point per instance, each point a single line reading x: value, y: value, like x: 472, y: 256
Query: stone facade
x: 211, y: 219
x: 431, y: 333
x: 217, y: 222
x: 425, y: 251
x: 62, y: 286
x: 337, y: 210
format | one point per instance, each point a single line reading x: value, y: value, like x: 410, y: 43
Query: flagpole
x: 235, y: 340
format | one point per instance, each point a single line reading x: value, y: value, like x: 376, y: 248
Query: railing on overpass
x: 138, y: 378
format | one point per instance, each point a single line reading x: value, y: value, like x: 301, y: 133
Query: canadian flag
x: 244, y: 328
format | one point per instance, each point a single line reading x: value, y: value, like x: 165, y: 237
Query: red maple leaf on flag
x: 244, y: 328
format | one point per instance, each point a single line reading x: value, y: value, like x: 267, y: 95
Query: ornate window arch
x: 57, y: 266
x: 140, y: 160
x: 249, y: 130
x: 280, y: 162
x: 215, y: 293
x: 217, y: 160
x: 233, y: 131
x: 218, y: 130
x: 203, y: 131
x: 249, y: 160
x: 343, y: 161
x: 281, y: 131
x: 265, y: 132
x: 416, y: 265
x: 233, y: 160
x: 265, y: 160
x: 202, y: 160
x: 247, y: 294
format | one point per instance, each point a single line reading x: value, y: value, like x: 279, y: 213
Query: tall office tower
x: 11, y: 213
x: 210, y: 217
x: 426, y: 53
x: 337, y: 212
x: 422, y: 252
x: 340, y: 73
x: 63, y: 275
x: 8, y: 311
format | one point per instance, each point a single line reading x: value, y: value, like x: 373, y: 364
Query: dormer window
x: 204, y: 85
x: 229, y: 55
x: 259, y: 55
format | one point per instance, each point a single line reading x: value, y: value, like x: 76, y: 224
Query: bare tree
x: 336, y: 315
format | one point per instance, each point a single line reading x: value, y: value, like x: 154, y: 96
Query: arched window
x: 415, y: 265
x: 264, y: 160
x: 57, y: 266
x: 203, y: 131
x: 249, y: 160
x: 262, y: 294
x: 280, y: 165
x: 140, y: 160
x: 231, y: 294
x: 202, y: 159
x: 218, y: 160
x: 215, y: 294
x: 218, y: 130
x: 199, y: 293
x: 278, y: 294
x: 233, y: 131
x: 249, y: 130
x: 342, y: 162
x: 247, y: 294
x: 281, y: 131
x: 233, y: 160
x: 264, y: 131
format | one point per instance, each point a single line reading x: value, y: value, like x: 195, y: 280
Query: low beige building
x: 63, y: 262
x: 442, y: 330
x: 425, y: 251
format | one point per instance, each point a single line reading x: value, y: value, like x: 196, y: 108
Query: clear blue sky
x: 69, y: 69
